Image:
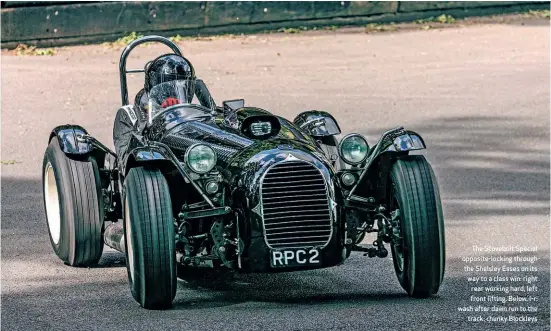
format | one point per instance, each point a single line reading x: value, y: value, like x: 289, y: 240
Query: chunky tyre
x: 418, y: 247
x: 149, y: 238
x: 73, y: 205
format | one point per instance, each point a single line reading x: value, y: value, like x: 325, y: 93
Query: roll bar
x: 126, y: 52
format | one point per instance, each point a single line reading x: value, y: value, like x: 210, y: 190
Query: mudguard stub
x: 70, y: 139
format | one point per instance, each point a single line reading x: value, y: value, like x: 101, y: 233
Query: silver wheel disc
x: 399, y: 253
x: 129, y: 247
x: 396, y: 219
x: 398, y: 248
x: 51, y: 198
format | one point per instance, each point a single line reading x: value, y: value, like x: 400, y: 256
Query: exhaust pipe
x: 114, y: 236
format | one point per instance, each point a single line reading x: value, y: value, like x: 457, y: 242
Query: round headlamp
x: 211, y: 187
x: 348, y: 179
x: 200, y: 158
x: 353, y: 149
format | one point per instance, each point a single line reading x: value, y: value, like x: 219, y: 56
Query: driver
x: 169, y: 80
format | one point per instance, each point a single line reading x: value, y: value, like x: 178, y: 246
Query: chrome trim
x: 332, y: 204
x: 258, y: 210
x: 329, y: 215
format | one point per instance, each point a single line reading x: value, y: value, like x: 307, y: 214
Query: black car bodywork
x: 281, y: 203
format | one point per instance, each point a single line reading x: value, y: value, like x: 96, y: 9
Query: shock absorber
x: 382, y: 234
x: 383, y: 228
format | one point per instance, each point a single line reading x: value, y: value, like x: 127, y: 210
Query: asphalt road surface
x: 479, y: 95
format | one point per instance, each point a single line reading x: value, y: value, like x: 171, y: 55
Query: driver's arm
x: 126, y: 122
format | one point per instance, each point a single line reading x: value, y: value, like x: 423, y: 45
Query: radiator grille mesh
x: 295, y: 206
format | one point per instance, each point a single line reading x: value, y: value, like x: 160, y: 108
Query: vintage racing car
x: 242, y: 189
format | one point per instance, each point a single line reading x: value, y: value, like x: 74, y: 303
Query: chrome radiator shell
x: 295, y: 205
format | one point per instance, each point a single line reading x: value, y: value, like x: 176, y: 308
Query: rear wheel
x: 73, y: 205
x: 418, y: 247
x: 149, y: 238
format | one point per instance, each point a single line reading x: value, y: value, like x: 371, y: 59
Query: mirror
x: 230, y: 105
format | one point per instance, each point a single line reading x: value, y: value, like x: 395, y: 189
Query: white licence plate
x: 295, y: 257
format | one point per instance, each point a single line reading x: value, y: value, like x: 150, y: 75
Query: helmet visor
x: 170, y: 93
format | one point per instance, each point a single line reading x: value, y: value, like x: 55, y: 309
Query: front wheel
x: 73, y: 205
x: 149, y: 238
x: 418, y: 245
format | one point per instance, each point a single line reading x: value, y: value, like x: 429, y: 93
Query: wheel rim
x: 51, y: 198
x: 397, y: 247
x: 129, y: 244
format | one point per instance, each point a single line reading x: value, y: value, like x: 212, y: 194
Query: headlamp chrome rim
x: 190, y: 149
x: 348, y: 136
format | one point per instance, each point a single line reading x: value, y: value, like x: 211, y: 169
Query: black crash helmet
x: 170, y: 76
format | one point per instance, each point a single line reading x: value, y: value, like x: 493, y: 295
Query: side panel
x: 70, y: 139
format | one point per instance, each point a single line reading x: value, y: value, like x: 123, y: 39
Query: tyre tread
x: 81, y: 208
x: 151, y: 195
x: 425, y: 269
